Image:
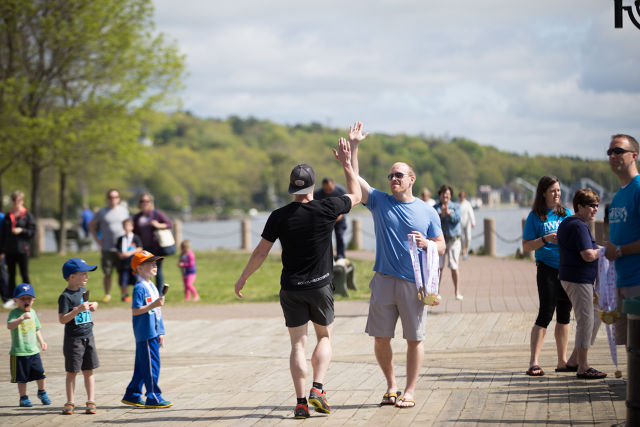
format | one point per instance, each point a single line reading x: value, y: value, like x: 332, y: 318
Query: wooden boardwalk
x: 228, y: 365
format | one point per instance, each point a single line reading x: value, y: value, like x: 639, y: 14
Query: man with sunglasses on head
x: 624, y: 224
x: 106, y: 228
x: 393, y: 289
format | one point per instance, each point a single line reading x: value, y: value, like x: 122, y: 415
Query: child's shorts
x: 80, y: 354
x: 26, y: 368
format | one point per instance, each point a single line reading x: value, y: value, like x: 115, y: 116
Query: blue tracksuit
x: 147, y: 328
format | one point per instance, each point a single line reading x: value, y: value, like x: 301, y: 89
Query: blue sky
x: 544, y: 77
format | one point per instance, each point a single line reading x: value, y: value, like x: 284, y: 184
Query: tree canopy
x: 78, y: 79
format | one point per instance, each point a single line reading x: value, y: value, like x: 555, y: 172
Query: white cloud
x: 544, y: 77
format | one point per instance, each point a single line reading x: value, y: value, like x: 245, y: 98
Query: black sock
x: 24, y: 397
x: 41, y: 391
x: 317, y: 385
x: 302, y: 400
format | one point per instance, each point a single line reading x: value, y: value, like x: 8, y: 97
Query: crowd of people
x: 565, y: 251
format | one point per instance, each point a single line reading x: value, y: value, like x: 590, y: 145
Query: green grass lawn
x: 217, y: 275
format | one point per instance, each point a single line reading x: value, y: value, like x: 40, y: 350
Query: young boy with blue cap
x: 79, y: 349
x: 26, y: 364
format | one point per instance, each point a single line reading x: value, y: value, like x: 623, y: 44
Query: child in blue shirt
x: 148, y: 328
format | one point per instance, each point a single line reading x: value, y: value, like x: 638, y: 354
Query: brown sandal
x: 390, y: 398
x: 68, y: 408
x: 91, y: 407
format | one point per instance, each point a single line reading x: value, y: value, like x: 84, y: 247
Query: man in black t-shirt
x: 331, y: 189
x: 304, y: 228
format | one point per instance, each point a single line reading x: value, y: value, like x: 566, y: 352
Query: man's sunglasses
x: 618, y: 151
x: 398, y: 175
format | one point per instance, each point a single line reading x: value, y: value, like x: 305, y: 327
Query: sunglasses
x: 618, y: 151
x: 145, y: 201
x: 592, y: 205
x: 113, y: 197
x: 398, y: 175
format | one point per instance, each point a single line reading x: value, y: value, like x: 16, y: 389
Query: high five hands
x: 355, y: 133
x: 343, y: 154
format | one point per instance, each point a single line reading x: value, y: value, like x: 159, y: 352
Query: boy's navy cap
x: 73, y: 265
x: 302, y: 179
x: 23, y: 289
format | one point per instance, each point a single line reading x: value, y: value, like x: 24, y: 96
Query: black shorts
x: 26, y: 368
x: 301, y: 306
x: 80, y: 354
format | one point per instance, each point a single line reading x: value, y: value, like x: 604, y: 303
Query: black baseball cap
x: 302, y: 179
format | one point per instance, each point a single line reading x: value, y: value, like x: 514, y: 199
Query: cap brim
x: 295, y: 190
x: 151, y: 259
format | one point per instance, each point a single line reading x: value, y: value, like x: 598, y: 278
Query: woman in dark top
x: 145, y: 223
x: 578, y: 270
x: 18, y: 227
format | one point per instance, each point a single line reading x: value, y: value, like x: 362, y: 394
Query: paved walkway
x: 228, y: 365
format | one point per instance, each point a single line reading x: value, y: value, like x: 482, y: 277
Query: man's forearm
x: 354, y: 159
x: 353, y: 186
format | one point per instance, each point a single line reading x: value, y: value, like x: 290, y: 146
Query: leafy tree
x: 77, y: 77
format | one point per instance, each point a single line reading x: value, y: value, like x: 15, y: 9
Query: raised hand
x: 355, y: 133
x: 343, y: 153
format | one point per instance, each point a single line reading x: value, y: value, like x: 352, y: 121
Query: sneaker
x: 106, y: 298
x: 459, y: 297
x: 157, y: 405
x: 25, y: 402
x: 301, y: 411
x: 319, y: 400
x: 42, y: 395
x: 126, y: 299
x: 9, y: 304
x: 139, y: 403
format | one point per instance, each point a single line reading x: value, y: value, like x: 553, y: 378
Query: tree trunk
x: 62, y: 237
x: 36, y: 174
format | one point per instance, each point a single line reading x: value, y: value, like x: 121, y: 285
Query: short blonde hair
x: 17, y: 194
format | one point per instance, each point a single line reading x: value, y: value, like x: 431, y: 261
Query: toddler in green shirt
x: 26, y: 364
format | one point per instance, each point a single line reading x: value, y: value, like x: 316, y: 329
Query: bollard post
x: 176, y: 224
x: 246, y: 235
x: 602, y: 232
x: 526, y: 254
x: 490, y: 236
x: 356, y: 235
x: 592, y: 227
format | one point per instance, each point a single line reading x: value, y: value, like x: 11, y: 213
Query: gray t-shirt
x: 109, y: 225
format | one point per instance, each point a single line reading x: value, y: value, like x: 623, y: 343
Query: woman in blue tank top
x: 540, y: 234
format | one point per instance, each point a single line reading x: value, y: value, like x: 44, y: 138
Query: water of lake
x: 226, y: 234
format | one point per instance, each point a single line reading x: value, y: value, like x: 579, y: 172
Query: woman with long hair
x: 540, y: 235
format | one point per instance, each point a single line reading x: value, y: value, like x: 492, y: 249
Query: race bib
x: 83, y: 317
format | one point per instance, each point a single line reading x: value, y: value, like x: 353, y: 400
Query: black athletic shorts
x: 26, y: 368
x: 80, y: 354
x: 301, y: 306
